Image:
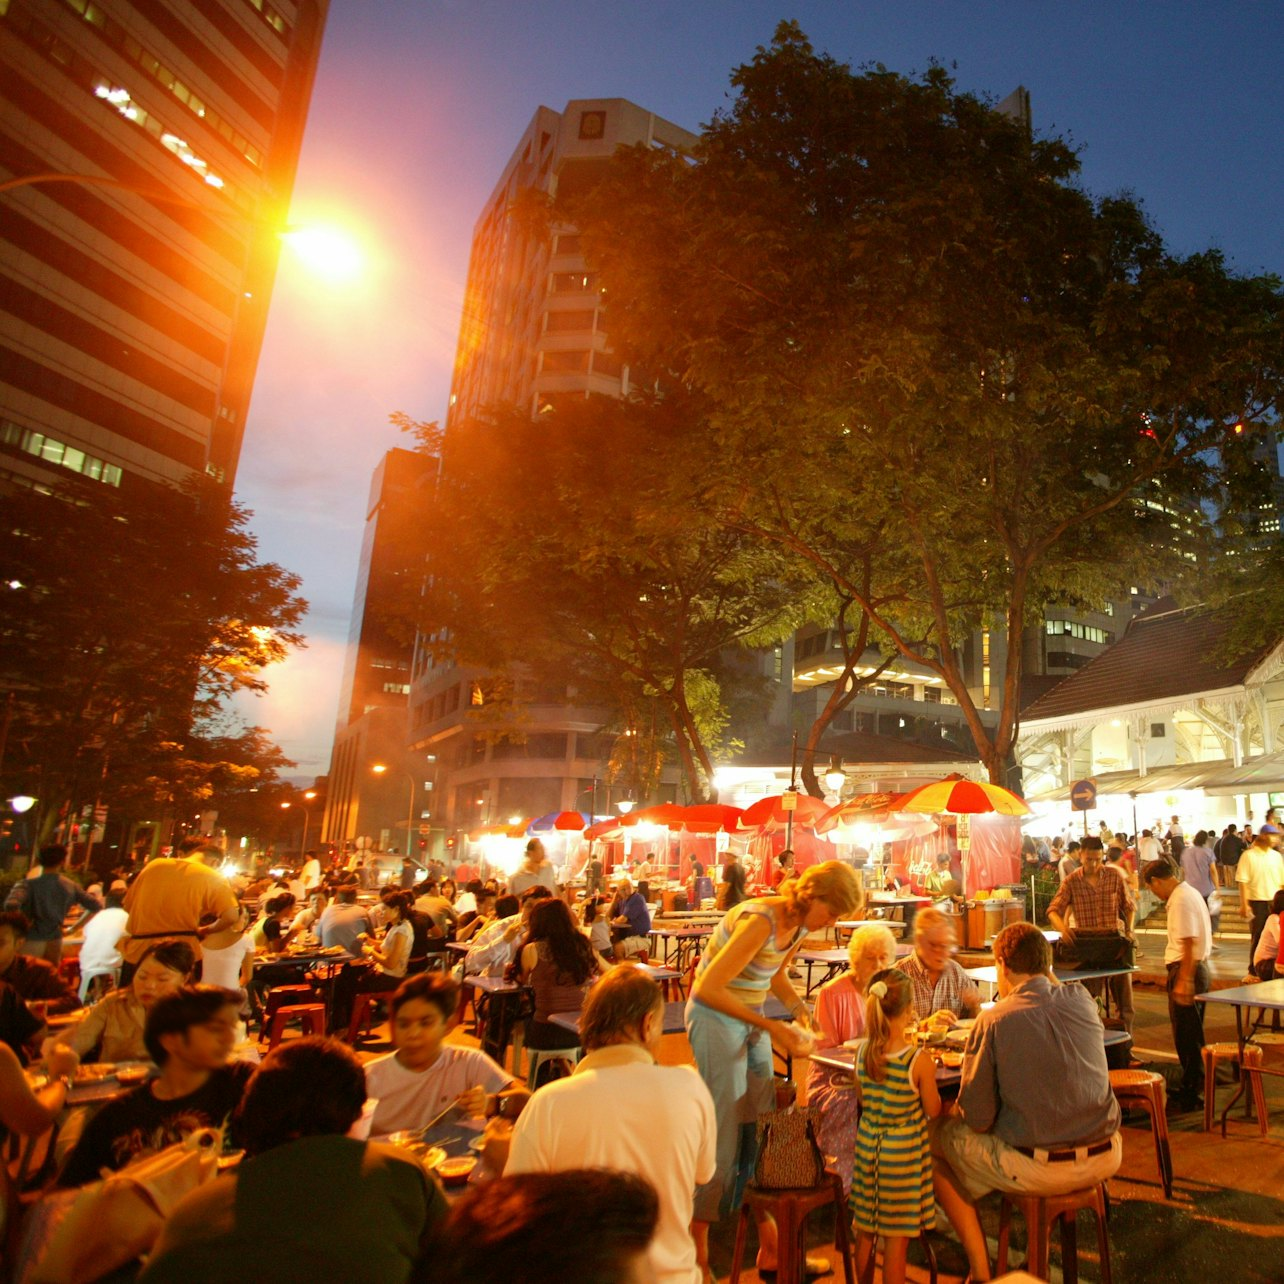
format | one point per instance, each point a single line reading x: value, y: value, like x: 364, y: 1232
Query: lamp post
x: 307, y: 817
x: 380, y: 769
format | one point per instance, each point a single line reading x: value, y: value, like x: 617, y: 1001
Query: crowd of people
x: 618, y: 1168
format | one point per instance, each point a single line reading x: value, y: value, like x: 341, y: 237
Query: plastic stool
x: 1249, y: 1067
x: 789, y: 1208
x: 535, y: 1057
x: 1148, y: 1090
x: 283, y: 996
x: 311, y: 1014
x: 88, y: 982
x: 1040, y: 1213
x: 362, y: 1008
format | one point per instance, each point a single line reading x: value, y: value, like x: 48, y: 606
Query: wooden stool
x: 311, y: 1014
x: 1040, y: 1213
x: 1249, y: 1067
x: 1148, y: 1090
x: 283, y: 996
x: 789, y: 1208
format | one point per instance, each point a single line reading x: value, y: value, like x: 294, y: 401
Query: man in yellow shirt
x: 169, y: 899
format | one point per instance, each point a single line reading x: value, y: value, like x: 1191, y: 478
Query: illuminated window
x: 574, y: 282
x: 53, y: 451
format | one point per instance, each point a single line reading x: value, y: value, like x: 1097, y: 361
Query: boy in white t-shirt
x: 426, y: 1075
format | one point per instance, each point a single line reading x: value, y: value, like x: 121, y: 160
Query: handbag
x: 789, y: 1156
x: 1094, y: 948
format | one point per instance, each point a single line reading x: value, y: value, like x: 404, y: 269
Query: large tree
x: 576, y: 548
x: 131, y: 617
x: 906, y: 319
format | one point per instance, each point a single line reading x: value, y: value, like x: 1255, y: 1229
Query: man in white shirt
x: 1259, y: 875
x: 310, y: 874
x: 622, y: 1110
x: 1147, y: 848
x: 100, y: 953
x: 425, y: 1075
x: 1190, y: 942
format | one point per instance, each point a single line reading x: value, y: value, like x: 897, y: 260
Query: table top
x: 990, y: 975
x: 675, y: 1021
x: 1265, y: 994
x: 839, y: 956
x: 851, y: 924
x: 690, y: 930
x: 845, y: 1059
x: 895, y: 898
x: 493, y: 984
x: 86, y: 1091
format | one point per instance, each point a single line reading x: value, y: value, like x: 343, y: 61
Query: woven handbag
x: 789, y: 1156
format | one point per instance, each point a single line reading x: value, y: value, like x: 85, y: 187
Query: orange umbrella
x: 767, y: 813
x: 963, y: 797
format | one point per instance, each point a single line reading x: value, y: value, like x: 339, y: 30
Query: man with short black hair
x: 343, y: 921
x: 1036, y: 1114
x: 190, y: 1034
x: 36, y: 980
x: 662, y: 1125
x: 45, y: 901
x: 1190, y: 942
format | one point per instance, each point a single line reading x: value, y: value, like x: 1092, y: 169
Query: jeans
x: 734, y: 1060
x: 1260, y: 911
x: 1188, y: 1030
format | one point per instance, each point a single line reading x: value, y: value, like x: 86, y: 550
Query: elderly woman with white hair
x: 840, y: 1017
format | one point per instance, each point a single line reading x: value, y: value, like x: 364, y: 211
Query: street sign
x: 1083, y: 795
x: 423, y: 831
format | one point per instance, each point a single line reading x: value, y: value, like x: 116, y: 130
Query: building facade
x: 134, y: 285
x: 534, y: 330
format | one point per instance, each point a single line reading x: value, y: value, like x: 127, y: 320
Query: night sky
x: 419, y: 103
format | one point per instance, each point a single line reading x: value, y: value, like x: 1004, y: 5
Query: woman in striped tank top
x: 892, y: 1177
x: 746, y: 958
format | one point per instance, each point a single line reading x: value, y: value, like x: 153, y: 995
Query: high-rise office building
x: 134, y: 280
x: 534, y: 330
x: 371, y: 726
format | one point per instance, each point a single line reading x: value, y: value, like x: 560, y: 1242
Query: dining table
x: 1268, y: 996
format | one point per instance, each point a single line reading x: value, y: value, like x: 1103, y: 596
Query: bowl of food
x: 455, y: 1172
x: 951, y: 1060
x: 132, y: 1072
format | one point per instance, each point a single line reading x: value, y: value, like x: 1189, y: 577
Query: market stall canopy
x: 668, y: 814
x: 1167, y: 780
x: 863, y: 809
x: 963, y: 797
x: 609, y: 828
x: 1261, y: 775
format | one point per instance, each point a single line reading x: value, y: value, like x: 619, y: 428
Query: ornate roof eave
x: 1094, y: 717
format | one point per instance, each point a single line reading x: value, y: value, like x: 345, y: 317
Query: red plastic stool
x: 311, y: 1014
x: 283, y: 996
x: 1041, y: 1212
x: 1148, y: 1090
x: 362, y: 1009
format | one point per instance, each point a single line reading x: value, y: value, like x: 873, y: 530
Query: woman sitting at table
x: 558, y: 963
x: 1265, y: 966
x: 747, y: 956
x: 840, y: 1016
x: 114, y: 1026
x: 391, y: 955
x: 269, y: 933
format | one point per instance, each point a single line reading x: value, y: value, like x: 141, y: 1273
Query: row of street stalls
x: 1172, y: 720
x: 892, y: 837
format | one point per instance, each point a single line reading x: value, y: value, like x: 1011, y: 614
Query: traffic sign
x: 1083, y: 795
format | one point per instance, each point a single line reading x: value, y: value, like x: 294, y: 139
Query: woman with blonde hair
x: 840, y: 1017
x: 747, y: 956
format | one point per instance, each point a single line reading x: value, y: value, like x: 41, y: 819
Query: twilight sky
x: 418, y: 104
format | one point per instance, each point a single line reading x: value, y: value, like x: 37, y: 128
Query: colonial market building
x: 1176, y: 718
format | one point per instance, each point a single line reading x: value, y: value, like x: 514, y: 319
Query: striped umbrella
x: 963, y: 797
x: 767, y: 813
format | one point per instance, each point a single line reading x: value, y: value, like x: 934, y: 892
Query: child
x: 426, y: 1075
x: 892, y: 1184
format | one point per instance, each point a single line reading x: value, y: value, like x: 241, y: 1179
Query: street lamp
x: 307, y: 817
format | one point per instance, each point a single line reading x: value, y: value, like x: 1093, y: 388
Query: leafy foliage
x: 912, y: 335
x: 136, y: 615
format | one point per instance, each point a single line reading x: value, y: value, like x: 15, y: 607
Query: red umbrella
x: 767, y: 813
x: 709, y: 818
x: 863, y: 809
x: 669, y: 814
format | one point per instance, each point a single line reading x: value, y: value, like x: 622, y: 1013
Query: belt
x: 1065, y: 1156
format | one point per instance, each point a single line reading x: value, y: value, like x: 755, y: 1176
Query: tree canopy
x: 911, y: 330
x: 131, y: 617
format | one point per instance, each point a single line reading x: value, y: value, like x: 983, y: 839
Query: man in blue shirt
x: 45, y: 901
x: 632, y: 922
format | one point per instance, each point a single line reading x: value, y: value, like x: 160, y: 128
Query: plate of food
x: 951, y: 1060
x: 129, y: 1073
x: 96, y: 1072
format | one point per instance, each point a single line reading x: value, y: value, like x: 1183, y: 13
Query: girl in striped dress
x: 892, y: 1183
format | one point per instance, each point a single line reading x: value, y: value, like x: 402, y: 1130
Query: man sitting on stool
x: 1036, y: 1114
